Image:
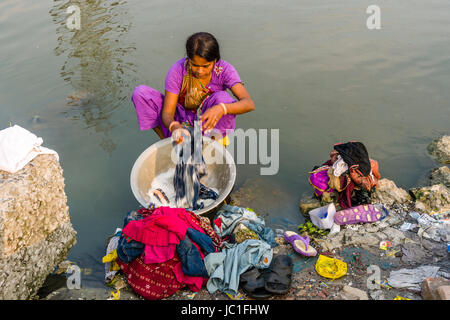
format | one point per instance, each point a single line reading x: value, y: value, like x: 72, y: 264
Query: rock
x: 371, y: 227
x: 434, y: 199
x: 354, y: 293
x: 308, y: 204
x: 332, y: 242
x: 361, y: 240
x: 440, y: 149
x: 394, y: 235
x: 36, y: 231
x: 284, y: 248
x: 280, y: 241
x: 388, y: 193
x: 440, y: 175
x: 444, y: 292
x: 377, y: 295
x: 301, y: 293
x: 420, y: 206
x: 63, y: 266
x: 346, y: 296
x: 430, y: 288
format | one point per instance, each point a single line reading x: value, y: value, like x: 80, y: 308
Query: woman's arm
x: 168, y: 112
x: 244, y: 103
x: 169, y: 107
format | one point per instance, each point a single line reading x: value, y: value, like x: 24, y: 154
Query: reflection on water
x: 97, y: 61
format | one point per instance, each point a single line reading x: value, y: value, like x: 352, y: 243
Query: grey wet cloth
x: 225, y: 267
x: 231, y: 216
x: 189, y: 170
x: 412, y: 278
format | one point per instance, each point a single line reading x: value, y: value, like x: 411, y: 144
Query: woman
x: 194, y: 85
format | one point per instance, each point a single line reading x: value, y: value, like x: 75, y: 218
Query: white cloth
x: 19, y: 146
x: 339, y: 167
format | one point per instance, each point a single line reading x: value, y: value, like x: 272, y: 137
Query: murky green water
x: 314, y: 71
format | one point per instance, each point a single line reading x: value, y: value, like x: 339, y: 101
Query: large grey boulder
x: 440, y: 175
x: 440, y: 149
x: 309, y: 203
x: 388, y: 193
x: 433, y: 199
x: 36, y: 233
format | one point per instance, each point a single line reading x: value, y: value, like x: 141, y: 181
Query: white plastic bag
x: 323, y: 217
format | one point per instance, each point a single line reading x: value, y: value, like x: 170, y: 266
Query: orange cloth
x: 368, y: 182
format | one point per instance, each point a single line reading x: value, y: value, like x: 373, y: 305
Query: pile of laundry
x: 348, y: 177
x: 162, y: 250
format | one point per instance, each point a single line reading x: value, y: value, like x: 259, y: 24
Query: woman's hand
x: 177, y: 133
x: 211, y: 117
x: 333, y: 156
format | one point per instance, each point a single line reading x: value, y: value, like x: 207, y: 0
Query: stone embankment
x: 36, y: 233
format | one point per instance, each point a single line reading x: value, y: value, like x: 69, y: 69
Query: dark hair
x: 203, y: 44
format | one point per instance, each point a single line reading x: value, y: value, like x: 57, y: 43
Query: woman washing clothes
x: 195, y: 89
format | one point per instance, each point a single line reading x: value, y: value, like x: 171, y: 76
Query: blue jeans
x: 191, y: 261
x: 129, y: 249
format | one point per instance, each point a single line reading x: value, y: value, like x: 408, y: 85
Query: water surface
x: 314, y: 70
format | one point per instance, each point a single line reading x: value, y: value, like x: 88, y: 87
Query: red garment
x: 194, y: 283
x: 346, y: 194
x: 152, y: 281
x: 161, y: 232
x: 152, y: 230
